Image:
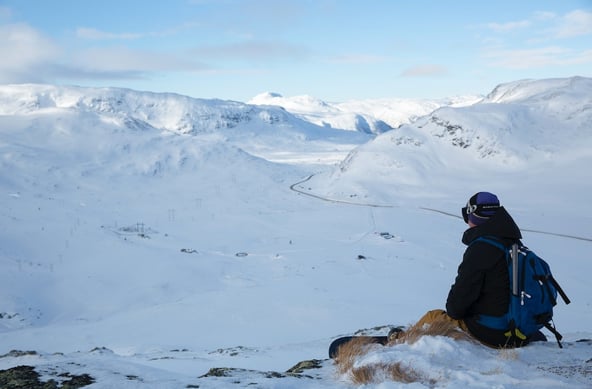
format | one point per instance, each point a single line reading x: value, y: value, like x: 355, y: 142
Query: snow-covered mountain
x: 367, y: 116
x: 542, y: 126
x: 109, y: 114
x: 148, y: 239
x: 145, y: 110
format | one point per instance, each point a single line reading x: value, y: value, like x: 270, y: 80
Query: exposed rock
x: 300, y: 367
x: 238, y: 374
x: 25, y: 377
x: 18, y: 353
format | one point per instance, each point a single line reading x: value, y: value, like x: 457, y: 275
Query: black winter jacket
x: 482, y: 285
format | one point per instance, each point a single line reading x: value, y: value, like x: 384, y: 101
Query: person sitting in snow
x: 482, y: 282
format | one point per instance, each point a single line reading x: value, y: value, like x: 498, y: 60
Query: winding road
x: 294, y: 188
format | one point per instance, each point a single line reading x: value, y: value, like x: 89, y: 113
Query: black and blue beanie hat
x: 480, y: 207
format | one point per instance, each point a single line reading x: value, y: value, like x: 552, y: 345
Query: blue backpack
x: 533, y: 294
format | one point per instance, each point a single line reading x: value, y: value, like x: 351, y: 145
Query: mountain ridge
x: 518, y: 121
x: 373, y: 116
x: 521, y: 125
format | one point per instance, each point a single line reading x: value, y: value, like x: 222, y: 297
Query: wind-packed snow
x: 147, y: 238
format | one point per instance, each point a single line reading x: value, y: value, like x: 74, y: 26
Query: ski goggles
x: 472, y: 208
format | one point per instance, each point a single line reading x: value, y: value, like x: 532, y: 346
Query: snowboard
x: 334, y: 347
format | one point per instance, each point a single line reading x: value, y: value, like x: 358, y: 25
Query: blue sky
x: 335, y: 50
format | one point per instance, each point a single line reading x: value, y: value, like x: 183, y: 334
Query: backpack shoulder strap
x: 492, y: 241
x: 511, y: 257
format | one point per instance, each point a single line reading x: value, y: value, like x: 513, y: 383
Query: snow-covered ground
x: 369, y: 116
x: 148, y: 238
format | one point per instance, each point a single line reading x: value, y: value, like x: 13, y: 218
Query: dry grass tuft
x: 436, y: 328
x: 351, y: 352
x: 381, y: 371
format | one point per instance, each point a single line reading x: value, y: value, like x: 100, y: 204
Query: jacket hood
x: 500, y: 225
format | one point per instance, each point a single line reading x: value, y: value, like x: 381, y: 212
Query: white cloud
x: 544, y: 15
x: 575, y: 23
x: 254, y: 51
x: 537, y: 58
x: 510, y: 26
x: 32, y: 57
x: 26, y: 53
x: 123, y: 60
x: 357, y: 59
x: 425, y: 71
x: 94, y: 34
x: 543, y: 28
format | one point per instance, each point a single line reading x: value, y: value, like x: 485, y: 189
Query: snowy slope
x: 270, y: 132
x: 538, y: 126
x: 367, y: 116
x: 163, y: 111
x: 149, y: 238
